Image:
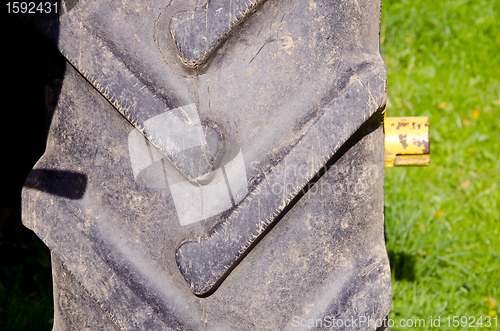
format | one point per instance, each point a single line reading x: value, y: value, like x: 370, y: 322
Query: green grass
x: 442, y: 221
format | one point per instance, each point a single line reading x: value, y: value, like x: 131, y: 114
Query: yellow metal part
x: 406, y: 141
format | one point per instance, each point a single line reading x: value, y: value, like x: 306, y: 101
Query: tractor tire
x: 215, y: 165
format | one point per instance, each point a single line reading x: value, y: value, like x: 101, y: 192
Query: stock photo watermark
x: 346, y: 179
x: 356, y: 322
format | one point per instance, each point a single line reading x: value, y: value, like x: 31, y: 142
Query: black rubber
x: 215, y: 165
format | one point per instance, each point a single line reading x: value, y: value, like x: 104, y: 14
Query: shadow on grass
x: 26, y: 300
x: 403, y: 265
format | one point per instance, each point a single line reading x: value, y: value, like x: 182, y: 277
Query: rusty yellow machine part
x: 407, y: 141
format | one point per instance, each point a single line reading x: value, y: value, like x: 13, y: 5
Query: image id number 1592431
x: 31, y: 7
x: 472, y: 322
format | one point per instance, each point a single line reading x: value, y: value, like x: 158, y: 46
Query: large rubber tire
x: 232, y: 181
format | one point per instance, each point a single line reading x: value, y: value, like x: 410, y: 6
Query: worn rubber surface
x: 228, y: 179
